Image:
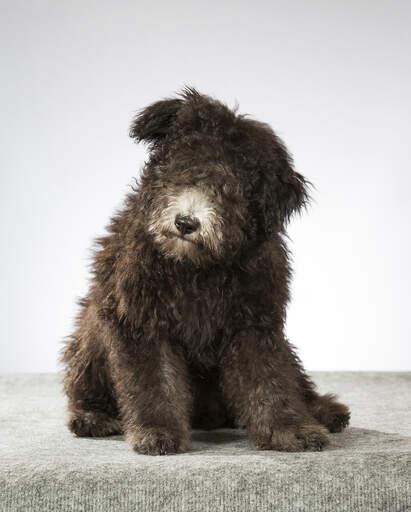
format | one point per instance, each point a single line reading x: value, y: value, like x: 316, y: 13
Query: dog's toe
x: 313, y: 437
x: 93, y: 424
x: 339, y: 422
x: 157, y: 441
x: 303, y: 438
x: 330, y: 413
x: 285, y: 441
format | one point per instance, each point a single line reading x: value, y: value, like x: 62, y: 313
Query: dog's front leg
x: 260, y: 383
x: 152, y: 390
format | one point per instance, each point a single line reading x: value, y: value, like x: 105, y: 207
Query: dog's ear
x: 284, y: 191
x: 154, y: 122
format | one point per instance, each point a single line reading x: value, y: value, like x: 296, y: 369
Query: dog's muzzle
x: 186, y: 225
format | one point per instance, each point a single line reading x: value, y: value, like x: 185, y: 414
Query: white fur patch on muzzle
x: 187, y: 224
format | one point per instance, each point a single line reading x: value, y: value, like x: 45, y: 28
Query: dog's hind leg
x: 93, y: 424
x: 325, y: 408
x: 329, y: 412
x: 92, y: 406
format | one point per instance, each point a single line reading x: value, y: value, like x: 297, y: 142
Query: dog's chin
x: 182, y: 248
x: 181, y: 237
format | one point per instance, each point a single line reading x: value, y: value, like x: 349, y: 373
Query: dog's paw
x: 313, y: 437
x: 337, y: 417
x: 279, y: 440
x: 338, y: 421
x: 93, y: 424
x: 157, y: 441
x: 294, y: 439
x: 332, y: 414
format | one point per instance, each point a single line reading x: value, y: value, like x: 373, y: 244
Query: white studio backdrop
x: 332, y: 78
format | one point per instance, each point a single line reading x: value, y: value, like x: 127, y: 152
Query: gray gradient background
x: 334, y: 80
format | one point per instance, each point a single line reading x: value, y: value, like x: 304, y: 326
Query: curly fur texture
x: 183, y: 325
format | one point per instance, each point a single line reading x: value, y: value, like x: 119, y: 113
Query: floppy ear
x: 285, y: 191
x: 154, y: 122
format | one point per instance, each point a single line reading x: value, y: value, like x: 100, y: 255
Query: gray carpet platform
x: 366, y: 468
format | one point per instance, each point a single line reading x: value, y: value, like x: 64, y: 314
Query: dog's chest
x: 197, y: 311
x: 199, y: 314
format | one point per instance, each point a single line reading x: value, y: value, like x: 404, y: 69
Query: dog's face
x: 197, y: 212
x: 216, y: 183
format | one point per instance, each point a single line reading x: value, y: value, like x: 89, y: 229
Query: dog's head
x: 216, y: 182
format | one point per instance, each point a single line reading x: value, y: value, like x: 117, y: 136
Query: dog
x: 183, y: 325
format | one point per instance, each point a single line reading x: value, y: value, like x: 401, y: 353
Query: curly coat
x: 183, y: 326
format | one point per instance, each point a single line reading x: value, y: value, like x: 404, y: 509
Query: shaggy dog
x: 183, y: 326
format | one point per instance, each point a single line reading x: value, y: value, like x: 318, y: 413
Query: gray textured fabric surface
x: 366, y: 468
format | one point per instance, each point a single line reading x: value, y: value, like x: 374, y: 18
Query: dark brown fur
x: 165, y: 344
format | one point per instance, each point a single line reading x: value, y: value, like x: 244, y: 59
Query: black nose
x: 186, y: 225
